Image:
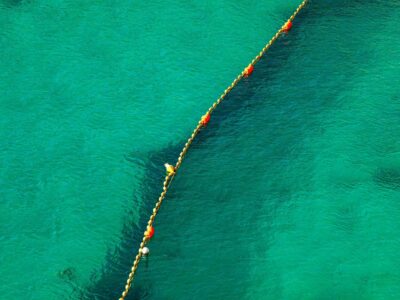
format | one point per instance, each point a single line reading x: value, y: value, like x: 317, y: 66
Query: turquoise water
x: 291, y: 192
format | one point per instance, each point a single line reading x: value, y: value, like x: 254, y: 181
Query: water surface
x: 291, y: 192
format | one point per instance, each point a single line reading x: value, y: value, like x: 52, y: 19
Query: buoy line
x: 204, y: 120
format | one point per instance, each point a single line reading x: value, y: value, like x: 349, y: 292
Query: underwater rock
x: 12, y: 3
x: 67, y: 274
x: 388, y: 177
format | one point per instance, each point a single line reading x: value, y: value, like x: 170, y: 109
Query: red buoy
x: 205, y: 119
x: 249, y: 69
x: 287, y: 26
x: 149, y: 232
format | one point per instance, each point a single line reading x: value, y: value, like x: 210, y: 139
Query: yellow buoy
x: 170, y: 169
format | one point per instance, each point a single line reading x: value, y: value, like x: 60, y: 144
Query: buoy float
x: 205, y: 119
x: 149, y: 232
x: 170, y: 169
x: 145, y: 251
x: 248, y: 70
x: 288, y: 25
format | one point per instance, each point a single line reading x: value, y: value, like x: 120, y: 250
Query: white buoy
x: 145, y: 250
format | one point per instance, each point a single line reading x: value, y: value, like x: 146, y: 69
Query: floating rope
x: 171, y: 170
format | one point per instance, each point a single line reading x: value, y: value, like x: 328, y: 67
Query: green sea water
x: 292, y: 191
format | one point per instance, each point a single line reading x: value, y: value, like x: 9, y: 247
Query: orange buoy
x: 249, y: 69
x: 205, y: 119
x: 149, y: 232
x: 287, y: 26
